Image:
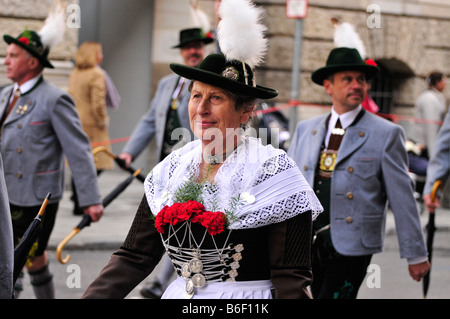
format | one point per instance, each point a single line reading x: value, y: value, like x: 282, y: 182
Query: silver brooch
x: 22, y: 109
x: 230, y: 73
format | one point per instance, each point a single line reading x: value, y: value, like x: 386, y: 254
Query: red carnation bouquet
x: 191, y: 210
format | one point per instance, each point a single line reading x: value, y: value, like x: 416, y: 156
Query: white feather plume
x: 240, y: 33
x: 199, y: 18
x: 52, y: 33
x: 345, y: 35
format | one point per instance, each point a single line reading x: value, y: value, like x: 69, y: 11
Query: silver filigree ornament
x: 231, y: 73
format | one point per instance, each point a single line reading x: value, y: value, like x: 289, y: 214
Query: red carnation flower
x: 214, y: 222
x: 371, y: 62
x: 24, y: 40
x: 191, y: 210
x: 159, y: 220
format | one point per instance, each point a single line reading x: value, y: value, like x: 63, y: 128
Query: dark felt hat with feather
x: 241, y: 39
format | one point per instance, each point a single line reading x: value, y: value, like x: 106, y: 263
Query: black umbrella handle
x: 130, y: 169
x: 86, y: 221
x: 119, y: 161
x: 21, y: 252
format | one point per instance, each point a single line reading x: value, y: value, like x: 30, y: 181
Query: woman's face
x: 212, y: 113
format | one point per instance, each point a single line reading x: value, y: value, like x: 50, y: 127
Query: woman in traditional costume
x: 233, y: 215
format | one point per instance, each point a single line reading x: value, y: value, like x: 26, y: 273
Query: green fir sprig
x: 193, y: 189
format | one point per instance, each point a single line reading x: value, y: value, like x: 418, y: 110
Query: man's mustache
x: 194, y: 55
x: 358, y: 92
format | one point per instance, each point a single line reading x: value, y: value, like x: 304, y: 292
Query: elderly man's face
x: 193, y: 53
x: 348, y: 89
x: 19, y: 63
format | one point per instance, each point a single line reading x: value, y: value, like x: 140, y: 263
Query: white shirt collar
x: 28, y: 85
x: 346, y: 119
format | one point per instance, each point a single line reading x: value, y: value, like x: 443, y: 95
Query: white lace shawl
x: 272, y: 187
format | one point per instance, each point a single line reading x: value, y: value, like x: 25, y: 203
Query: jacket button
x: 350, y: 195
x: 361, y: 133
x: 19, y: 175
x: 349, y: 219
x: 19, y: 150
x: 350, y: 169
x: 305, y: 168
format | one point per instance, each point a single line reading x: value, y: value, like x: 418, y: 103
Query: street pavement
x: 91, y: 248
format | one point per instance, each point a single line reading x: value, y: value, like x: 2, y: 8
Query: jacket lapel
x: 4, y: 99
x: 318, y: 133
x: 355, y: 136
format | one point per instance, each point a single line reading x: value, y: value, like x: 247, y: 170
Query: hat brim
x: 214, y: 79
x: 204, y: 40
x: 9, y: 39
x: 321, y: 74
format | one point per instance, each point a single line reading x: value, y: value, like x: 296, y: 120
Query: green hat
x: 217, y: 71
x: 343, y: 59
x: 31, y: 41
x: 193, y: 35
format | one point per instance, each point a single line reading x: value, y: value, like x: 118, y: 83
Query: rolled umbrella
x: 22, y: 251
x: 119, y: 161
x: 86, y: 220
x: 430, y: 237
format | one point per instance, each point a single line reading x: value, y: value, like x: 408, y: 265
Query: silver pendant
x: 238, y: 248
x: 237, y: 256
x: 185, y: 270
x: 189, y: 290
x: 198, y: 280
x: 195, y: 265
x: 233, y: 273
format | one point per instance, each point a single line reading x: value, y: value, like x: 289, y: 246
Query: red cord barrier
x: 293, y: 103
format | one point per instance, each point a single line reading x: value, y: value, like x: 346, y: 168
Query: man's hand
x: 431, y: 206
x: 418, y: 271
x: 95, y: 211
x: 127, y: 158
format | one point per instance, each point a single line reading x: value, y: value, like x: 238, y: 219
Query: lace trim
x: 267, y: 175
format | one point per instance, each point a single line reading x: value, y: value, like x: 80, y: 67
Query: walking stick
x: 118, y: 160
x: 86, y: 221
x: 22, y: 250
x: 430, y: 236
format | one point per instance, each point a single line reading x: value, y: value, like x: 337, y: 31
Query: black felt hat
x: 217, y: 71
x: 193, y: 35
x: 343, y: 59
x: 31, y: 42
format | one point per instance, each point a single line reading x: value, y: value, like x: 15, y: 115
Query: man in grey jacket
x: 439, y: 165
x: 357, y: 163
x: 39, y: 128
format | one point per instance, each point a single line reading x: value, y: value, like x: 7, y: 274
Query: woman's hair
x: 433, y: 78
x: 240, y: 101
x: 87, y: 54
